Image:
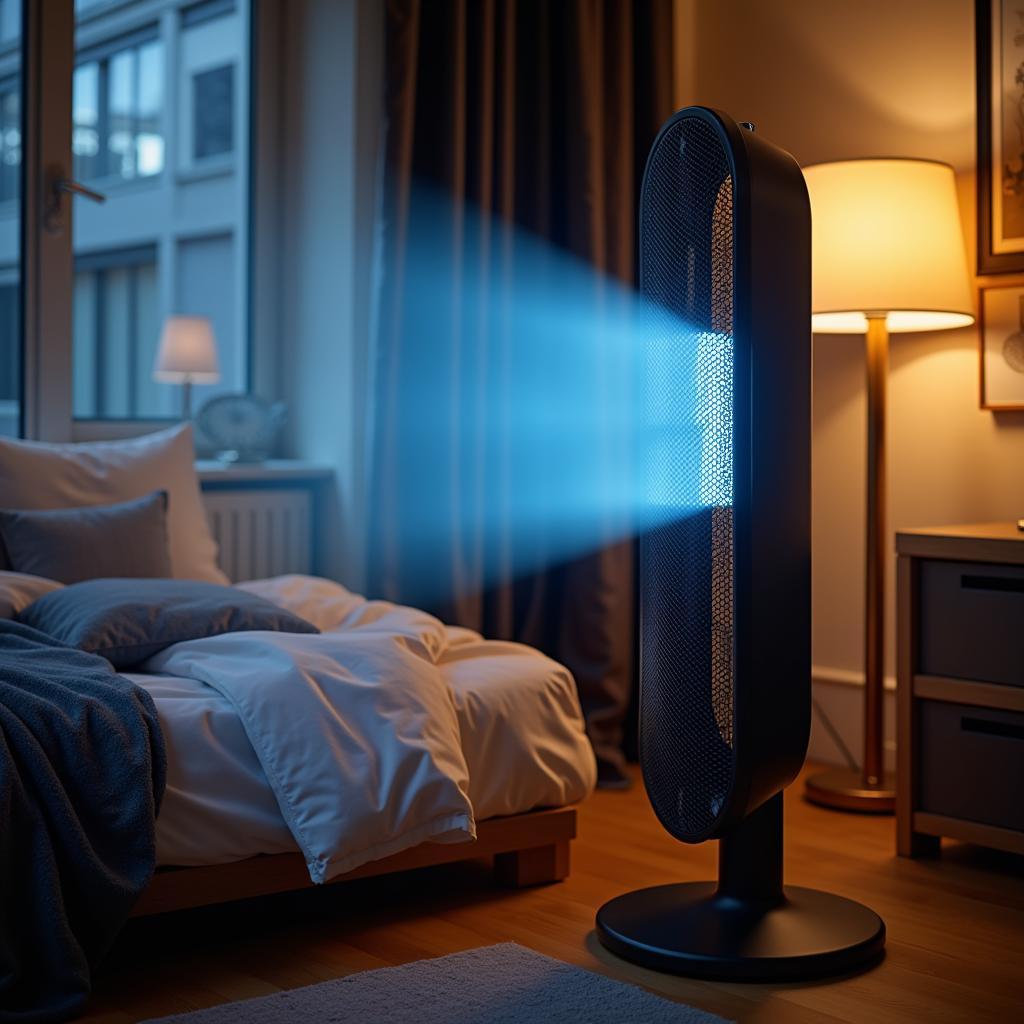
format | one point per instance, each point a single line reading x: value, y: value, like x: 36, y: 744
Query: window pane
x: 121, y: 114
x: 10, y: 219
x: 173, y: 235
x: 85, y: 135
x: 213, y: 103
x: 149, y: 141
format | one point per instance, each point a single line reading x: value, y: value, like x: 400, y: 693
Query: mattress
x: 519, y: 728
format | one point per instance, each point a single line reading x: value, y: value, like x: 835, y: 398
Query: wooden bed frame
x: 528, y: 849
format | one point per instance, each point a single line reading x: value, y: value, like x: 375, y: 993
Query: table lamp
x: 187, y: 355
x: 887, y: 256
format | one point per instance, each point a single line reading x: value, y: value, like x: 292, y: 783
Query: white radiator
x: 261, y: 531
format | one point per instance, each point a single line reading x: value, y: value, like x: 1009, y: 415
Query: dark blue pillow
x: 127, y: 621
x: 74, y: 544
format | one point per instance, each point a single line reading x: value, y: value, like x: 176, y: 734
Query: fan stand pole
x: 750, y: 858
x: 748, y: 927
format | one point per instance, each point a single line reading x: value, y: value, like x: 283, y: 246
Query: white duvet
x: 373, y: 736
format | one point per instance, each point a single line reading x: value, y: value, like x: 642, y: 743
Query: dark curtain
x: 511, y: 123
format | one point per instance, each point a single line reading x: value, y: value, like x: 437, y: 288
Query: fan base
x: 691, y: 929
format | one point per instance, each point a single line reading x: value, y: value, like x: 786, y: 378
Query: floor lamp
x: 887, y: 257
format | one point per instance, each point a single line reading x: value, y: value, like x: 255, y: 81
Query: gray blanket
x: 82, y: 769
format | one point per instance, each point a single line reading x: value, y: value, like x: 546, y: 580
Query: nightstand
x: 960, y: 687
x: 266, y: 517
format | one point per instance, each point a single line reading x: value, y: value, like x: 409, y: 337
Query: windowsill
x: 215, y: 168
x: 211, y: 471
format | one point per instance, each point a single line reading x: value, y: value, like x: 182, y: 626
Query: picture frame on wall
x: 1001, y: 344
x: 999, y: 45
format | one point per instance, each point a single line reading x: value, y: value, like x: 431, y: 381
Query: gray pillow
x: 127, y: 621
x: 74, y: 544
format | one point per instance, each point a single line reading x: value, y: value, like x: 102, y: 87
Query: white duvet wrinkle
x: 357, y: 734
x: 517, y: 731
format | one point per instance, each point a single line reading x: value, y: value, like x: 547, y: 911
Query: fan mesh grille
x: 686, y: 560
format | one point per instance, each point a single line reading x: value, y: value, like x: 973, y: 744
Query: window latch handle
x: 56, y: 187
x: 78, y: 189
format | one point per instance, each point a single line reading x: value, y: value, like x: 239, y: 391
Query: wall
x: 832, y: 81
x: 330, y: 129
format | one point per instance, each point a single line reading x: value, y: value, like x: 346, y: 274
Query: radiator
x: 261, y: 531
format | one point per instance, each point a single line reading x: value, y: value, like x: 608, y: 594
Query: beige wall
x: 834, y: 79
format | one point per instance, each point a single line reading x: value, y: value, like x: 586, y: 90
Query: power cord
x: 851, y: 761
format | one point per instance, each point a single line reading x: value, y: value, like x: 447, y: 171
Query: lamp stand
x: 186, y: 399
x: 870, y: 790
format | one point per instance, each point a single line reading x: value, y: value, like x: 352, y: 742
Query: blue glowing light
x: 543, y: 410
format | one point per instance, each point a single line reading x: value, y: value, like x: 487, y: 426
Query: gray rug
x: 503, y: 984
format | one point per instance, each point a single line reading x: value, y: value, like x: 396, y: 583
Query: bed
x: 221, y: 834
x: 505, y: 754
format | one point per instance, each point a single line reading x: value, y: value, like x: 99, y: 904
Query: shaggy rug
x: 504, y: 984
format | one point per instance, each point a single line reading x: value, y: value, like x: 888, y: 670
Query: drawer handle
x: 982, y: 725
x: 1007, y: 584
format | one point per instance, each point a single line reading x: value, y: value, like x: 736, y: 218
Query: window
x: 209, y: 56
x: 117, y: 108
x: 10, y: 22
x: 156, y: 100
x: 116, y: 326
x: 213, y: 100
x: 10, y: 141
x: 178, y: 245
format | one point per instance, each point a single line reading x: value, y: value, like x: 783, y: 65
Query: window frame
x: 47, y: 260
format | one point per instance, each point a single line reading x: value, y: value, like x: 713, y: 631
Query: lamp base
x: 692, y: 929
x: 845, y: 790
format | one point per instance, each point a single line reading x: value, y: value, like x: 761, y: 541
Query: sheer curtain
x: 516, y: 134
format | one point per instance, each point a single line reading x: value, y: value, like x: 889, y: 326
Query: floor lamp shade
x: 887, y: 256
x: 886, y: 238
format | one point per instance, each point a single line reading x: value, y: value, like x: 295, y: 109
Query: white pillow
x: 18, y: 590
x: 37, y: 475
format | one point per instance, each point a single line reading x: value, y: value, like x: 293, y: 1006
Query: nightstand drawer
x: 972, y: 621
x: 972, y: 763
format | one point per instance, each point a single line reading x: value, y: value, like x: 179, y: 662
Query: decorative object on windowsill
x: 242, y: 428
x: 1001, y: 344
x: 187, y: 355
x: 887, y: 255
x: 999, y: 59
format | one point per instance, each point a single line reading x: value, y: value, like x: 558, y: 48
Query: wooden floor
x: 955, y: 949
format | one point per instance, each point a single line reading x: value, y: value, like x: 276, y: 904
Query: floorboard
x: 955, y: 926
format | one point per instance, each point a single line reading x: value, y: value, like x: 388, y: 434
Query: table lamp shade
x: 187, y: 352
x: 886, y: 239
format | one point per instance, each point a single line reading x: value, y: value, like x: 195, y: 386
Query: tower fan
x: 724, y: 580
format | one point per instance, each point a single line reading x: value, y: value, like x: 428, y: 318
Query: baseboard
x: 839, y: 698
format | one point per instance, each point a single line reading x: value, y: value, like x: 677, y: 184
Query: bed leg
x: 537, y: 866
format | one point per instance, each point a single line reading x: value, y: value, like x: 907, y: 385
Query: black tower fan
x: 725, y: 670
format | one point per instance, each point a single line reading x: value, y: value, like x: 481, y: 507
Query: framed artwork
x: 999, y: 43
x: 1001, y: 344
